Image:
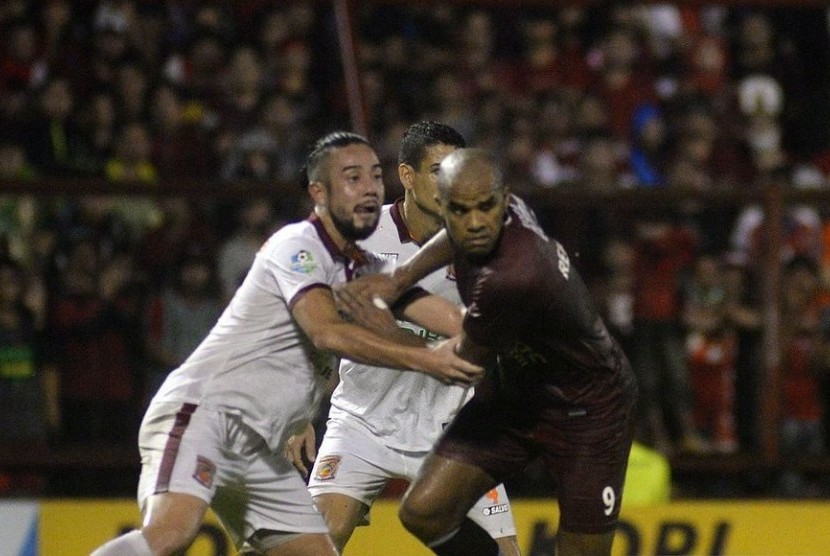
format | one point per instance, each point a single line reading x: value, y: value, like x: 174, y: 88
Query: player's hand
x: 305, y: 442
x: 444, y: 364
x: 372, y: 313
x: 365, y: 288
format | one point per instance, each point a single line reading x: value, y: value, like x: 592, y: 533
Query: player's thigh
x: 446, y: 489
x: 172, y: 519
x: 352, y: 463
x: 590, y: 477
x: 342, y: 515
x: 178, y: 445
x: 266, y: 497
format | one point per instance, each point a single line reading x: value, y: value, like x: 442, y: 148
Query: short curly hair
x: 423, y: 134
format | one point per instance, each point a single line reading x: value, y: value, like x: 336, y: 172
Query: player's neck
x: 339, y: 240
x: 420, y: 225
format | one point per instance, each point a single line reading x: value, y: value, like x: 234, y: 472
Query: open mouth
x: 367, y: 209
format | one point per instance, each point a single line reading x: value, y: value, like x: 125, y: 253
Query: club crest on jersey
x: 327, y: 468
x: 302, y: 261
x: 205, y: 471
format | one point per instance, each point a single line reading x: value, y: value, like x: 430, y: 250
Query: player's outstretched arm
x: 316, y: 314
x: 434, y: 254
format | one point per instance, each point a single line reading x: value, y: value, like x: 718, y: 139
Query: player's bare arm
x: 473, y: 352
x: 316, y: 314
x: 436, y: 314
x: 432, y: 312
x: 435, y: 254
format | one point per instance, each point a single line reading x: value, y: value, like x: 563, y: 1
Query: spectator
x: 180, y: 317
x: 180, y: 144
x: 96, y: 132
x: 196, y: 70
x: 664, y: 250
x: 48, y: 143
x: 183, y: 227
x: 621, y: 78
x: 22, y: 67
x: 742, y: 312
x: 242, y: 93
x: 256, y: 223
x: 711, y: 345
x: 804, y: 363
x: 131, y: 87
x: 28, y: 395
x: 649, y: 143
x: 93, y: 329
x: 131, y: 160
x: 253, y: 157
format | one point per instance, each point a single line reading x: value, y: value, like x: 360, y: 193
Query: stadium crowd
x: 101, y: 295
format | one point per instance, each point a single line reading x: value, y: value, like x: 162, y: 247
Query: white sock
x: 130, y: 544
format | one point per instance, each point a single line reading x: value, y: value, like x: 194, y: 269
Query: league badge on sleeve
x: 303, y: 262
x: 204, y: 472
x: 327, y: 468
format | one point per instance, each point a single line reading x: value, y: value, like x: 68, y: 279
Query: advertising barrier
x: 75, y: 527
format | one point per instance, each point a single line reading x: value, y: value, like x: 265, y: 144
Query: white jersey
x: 406, y: 410
x: 256, y: 361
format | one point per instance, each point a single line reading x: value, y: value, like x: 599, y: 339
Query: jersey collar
x: 395, y: 211
x: 352, y: 254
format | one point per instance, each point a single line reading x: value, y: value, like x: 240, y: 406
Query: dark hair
x: 423, y: 134
x: 319, y: 153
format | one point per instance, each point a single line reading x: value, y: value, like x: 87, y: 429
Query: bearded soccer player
x: 213, y: 435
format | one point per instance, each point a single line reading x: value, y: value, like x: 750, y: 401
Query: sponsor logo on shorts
x: 205, y: 471
x: 327, y: 468
x: 303, y: 262
x: 497, y: 509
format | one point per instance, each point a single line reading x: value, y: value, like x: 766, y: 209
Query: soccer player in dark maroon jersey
x: 558, y: 385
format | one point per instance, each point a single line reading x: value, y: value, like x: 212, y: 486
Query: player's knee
x: 419, y: 518
x: 568, y: 542
x: 165, y: 539
x: 340, y: 531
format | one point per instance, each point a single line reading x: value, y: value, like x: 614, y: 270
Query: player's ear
x: 319, y: 192
x: 406, y: 173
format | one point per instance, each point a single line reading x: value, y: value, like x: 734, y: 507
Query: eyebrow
x: 358, y: 166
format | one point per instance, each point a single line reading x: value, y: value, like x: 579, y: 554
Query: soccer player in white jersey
x: 383, y: 423
x: 214, y: 433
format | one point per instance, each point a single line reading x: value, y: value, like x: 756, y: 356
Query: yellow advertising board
x: 72, y: 527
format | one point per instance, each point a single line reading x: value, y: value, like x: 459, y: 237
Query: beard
x: 349, y: 231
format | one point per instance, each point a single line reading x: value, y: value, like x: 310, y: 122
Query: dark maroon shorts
x: 585, y: 449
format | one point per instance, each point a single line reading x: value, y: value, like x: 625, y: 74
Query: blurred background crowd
x: 102, y: 295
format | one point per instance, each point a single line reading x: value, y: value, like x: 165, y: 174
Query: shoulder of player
x: 295, y: 238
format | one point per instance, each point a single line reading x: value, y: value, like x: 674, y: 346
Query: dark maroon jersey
x: 527, y: 302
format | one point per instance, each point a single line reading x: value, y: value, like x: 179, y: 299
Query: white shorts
x: 352, y: 462
x: 216, y: 457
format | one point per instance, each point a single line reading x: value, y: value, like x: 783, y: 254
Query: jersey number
x: 609, y: 498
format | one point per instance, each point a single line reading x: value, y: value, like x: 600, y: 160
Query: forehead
x: 434, y: 154
x: 474, y: 185
x: 356, y: 154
